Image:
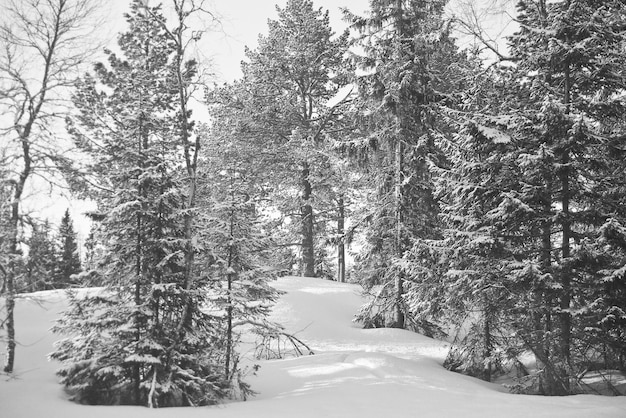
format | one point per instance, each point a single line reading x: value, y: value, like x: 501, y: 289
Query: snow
x: 497, y: 136
x: 355, y: 372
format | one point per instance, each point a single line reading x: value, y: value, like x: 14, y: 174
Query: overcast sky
x: 241, y: 22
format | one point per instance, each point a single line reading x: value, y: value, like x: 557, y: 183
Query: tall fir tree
x: 478, y: 193
x: 571, y: 50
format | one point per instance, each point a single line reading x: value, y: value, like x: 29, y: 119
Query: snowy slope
x: 382, y: 373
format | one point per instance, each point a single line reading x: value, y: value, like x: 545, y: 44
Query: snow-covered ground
x: 381, y: 373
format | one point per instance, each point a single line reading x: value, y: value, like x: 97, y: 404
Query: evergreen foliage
x: 480, y: 248
x: 51, y: 259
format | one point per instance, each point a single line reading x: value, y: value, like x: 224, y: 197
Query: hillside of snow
x: 382, y: 373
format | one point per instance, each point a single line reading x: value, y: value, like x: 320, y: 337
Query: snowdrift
x: 355, y: 373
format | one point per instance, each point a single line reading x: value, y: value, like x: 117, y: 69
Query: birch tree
x: 42, y: 46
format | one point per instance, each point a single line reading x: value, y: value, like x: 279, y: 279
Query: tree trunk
x: 10, y: 321
x: 565, y: 300
x: 565, y: 271
x: 229, y: 299
x: 142, y: 146
x: 487, y: 342
x: 229, y: 330
x: 137, y: 296
x: 399, y: 250
x: 308, y: 250
x: 13, y: 249
x: 191, y: 148
x: 550, y: 382
x: 229, y: 323
x: 341, y: 242
x: 398, y: 167
x: 10, y: 283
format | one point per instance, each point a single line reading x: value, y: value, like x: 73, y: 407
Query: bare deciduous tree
x: 42, y: 46
x: 485, y: 24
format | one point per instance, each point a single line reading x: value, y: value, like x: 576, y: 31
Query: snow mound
x: 355, y: 373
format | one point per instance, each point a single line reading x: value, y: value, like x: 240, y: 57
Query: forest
x: 477, y: 195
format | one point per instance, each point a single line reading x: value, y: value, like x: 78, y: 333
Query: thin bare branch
x: 486, y: 23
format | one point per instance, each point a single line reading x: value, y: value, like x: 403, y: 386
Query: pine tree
x: 145, y: 340
x: 68, y: 262
x: 292, y: 77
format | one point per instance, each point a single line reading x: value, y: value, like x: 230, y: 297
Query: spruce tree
x: 579, y: 88
x: 68, y: 262
x: 607, y: 317
x: 41, y: 263
x: 406, y: 49
x: 558, y: 109
x: 91, y: 248
x: 472, y: 253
